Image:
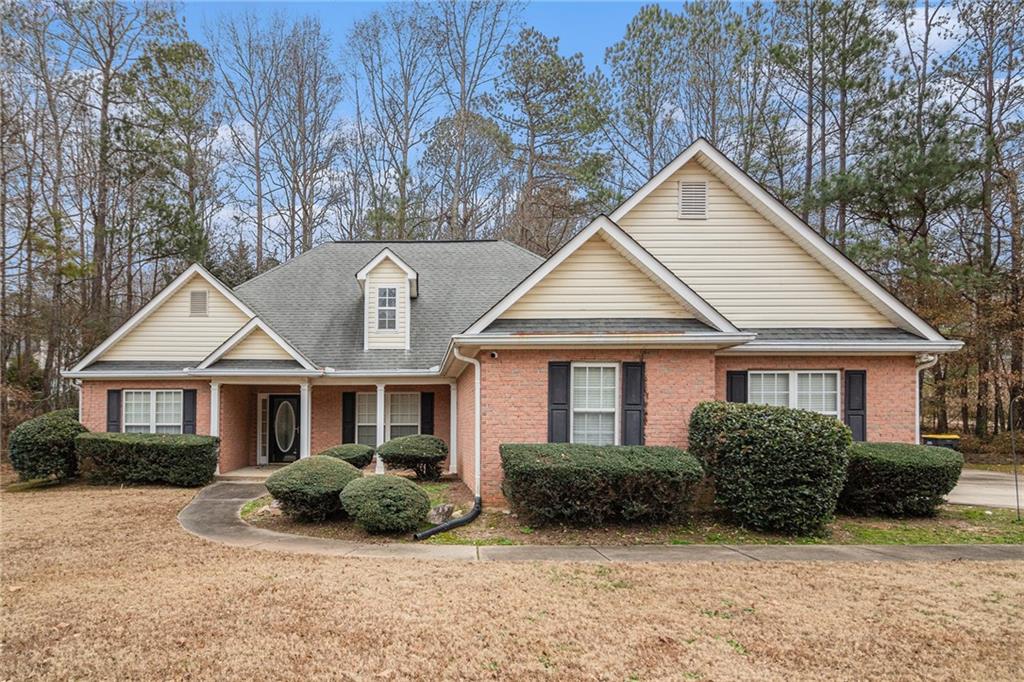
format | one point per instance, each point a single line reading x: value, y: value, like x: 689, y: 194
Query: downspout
x: 475, y: 511
x: 924, y: 361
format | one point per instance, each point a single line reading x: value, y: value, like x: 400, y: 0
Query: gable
x: 257, y: 346
x: 170, y: 333
x: 596, y: 281
x: 742, y: 263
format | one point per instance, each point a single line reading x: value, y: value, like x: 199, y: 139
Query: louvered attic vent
x: 198, y: 303
x: 693, y: 200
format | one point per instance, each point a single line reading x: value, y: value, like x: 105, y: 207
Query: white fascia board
x: 839, y: 347
x: 641, y: 257
x: 393, y: 257
x: 146, y: 310
x: 707, y: 340
x: 819, y: 248
x: 244, y: 331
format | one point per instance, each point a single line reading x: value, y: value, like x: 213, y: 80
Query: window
x: 387, y: 308
x: 693, y: 200
x: 366, y: 419
x: 402, y: 416
x: 199, y: 303
x: 595, y: 404
x: 152, y: 411
x: 817, y: 391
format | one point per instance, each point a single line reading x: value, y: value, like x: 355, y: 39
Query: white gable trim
x: 242, y: 333
x: 390, y: 255
x: 628, y: 247
x: 791, y: 225
x: 148, y: 309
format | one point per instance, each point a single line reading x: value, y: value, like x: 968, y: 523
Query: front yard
x: 102, y: 583
x: 953, y: 525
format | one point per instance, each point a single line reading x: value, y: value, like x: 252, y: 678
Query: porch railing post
x: 305, y: 423
x: 379, y: 468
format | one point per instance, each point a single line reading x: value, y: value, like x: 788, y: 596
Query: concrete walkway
x: 214, y: 515
x: 985, y: 489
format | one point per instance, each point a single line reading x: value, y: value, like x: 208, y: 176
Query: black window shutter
x: 856, y: 402
x: 558, y: 402
x: 348, y: 417
x: 188, y: 410
x: 113, y: 411
x: 427, y: 413
x: 736, y: 387
x: 632, y: 403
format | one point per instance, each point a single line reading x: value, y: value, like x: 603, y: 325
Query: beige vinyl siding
x: 257, y: 346
x: 170, y: 333
x: 386, y: 274
x: 741, y: 263
x: 596, y: 281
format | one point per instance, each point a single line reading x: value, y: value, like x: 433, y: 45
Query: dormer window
x: 387, y: 308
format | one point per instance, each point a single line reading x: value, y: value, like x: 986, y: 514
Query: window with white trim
x: 805, y: 390
x: 366, y: 419
x: 152, y: 411
x: 387, y: 308
x: 401, y: 416
x: 595, y: 403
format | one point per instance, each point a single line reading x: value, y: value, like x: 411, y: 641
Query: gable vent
x: 693, y: 200
x: 198, y: 303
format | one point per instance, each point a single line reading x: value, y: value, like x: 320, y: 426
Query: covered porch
x: 264, y: 426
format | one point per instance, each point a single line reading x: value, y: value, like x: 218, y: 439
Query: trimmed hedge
x: 44, y: 447
x: 898, y: 479
x: 308, y: 488
x: 588, y: 484
x: 385, y: 504
x: 774, y: 468
x: 185, y: 460
x: 423, y: 454
x: 356, y: 454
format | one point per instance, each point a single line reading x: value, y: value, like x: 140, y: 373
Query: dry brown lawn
x: 101, y: 583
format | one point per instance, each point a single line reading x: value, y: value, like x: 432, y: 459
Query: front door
x: 284, y: 428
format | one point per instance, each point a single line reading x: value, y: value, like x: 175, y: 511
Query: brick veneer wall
x: 466, y: 425
x: 891, y: 387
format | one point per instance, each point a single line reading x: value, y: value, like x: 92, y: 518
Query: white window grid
x: 816, y: 390
x: 592, y: 405
x: 152, y: 411
x: 401, y: 416
x: 387, y: 308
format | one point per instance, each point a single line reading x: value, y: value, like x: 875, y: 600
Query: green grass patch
x: 253, y: 506
x: 31, y: 484
x: 452, y: 537
x: 437, y: 492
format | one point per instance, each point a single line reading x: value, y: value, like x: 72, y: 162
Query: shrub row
x: 895, y: 479
x: 773, y: 468
x: 589, y: 484
x: 185, y: 460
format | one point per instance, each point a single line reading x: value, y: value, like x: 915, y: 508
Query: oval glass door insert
x: 284, y: 426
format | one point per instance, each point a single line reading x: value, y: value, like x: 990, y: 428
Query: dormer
x: 388, y: 285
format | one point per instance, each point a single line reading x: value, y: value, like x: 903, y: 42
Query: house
x: 700, y: 286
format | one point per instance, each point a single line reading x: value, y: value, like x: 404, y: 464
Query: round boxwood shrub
x: 356, y: 454
x: 897, y: 479
x: 385, y: 504
x: 773, y: 468
x: 308, y: 488
x: 44, y: 447
x: 423, y: 454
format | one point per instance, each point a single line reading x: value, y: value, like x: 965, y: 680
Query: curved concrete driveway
x: 985, y: 489
x: 214, y: 515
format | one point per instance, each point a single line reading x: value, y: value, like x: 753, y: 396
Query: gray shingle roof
x: 833, y: 334
x: 255, y: 364
x: 140, y: 366
x: 315, y: 303
x: 630, y: 325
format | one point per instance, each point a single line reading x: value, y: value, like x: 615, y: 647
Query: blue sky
x: 587, y: 27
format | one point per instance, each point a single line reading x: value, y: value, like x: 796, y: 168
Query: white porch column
x: 379, y: 469
x: 453, y: 437
x: 305, y: 422
x: 215, y: 408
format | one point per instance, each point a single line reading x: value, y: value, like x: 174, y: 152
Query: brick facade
x: 94, y: 400
x: 514, y: 397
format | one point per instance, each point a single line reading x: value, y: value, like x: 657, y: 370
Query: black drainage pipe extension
x: 451, y: 523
